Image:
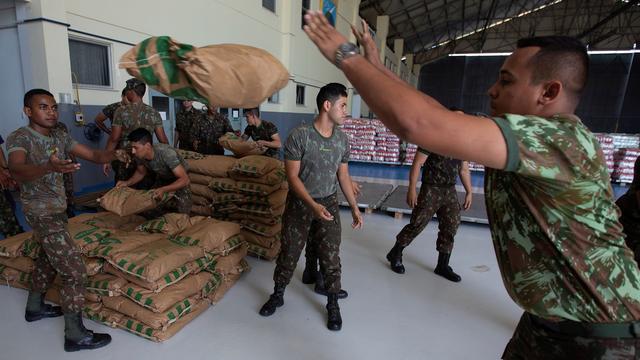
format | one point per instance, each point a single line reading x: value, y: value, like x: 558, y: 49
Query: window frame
x: 109, y: 47
x: 275, y: 6
x: 303, y: 95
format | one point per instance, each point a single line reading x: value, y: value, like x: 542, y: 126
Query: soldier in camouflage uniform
x: 169, y: 167
x: 629, y: 205
x: 553, y: 220
x: 314, y: 154
x: 264, y: 133
x: 128, y: 118
x: 438, y: 195
x: 207, y: 131
x: 185, y: 120
x: 9, y: 224
x: 38, y: 156
x: 109, y: 111
x: 68, y: 177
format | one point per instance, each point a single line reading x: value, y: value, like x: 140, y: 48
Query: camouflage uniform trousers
x: 297, y: 221
x: 58, y: 255
x: 9, y: 225
x: 442, y: 201
x: 532, y: 340
x: 68, y: 189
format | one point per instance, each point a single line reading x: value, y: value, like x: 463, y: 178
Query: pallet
x: 371, y: 196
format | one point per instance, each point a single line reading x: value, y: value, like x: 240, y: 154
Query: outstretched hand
x: 365, y: 39
x: 325, y: 36
x: 62, y: 166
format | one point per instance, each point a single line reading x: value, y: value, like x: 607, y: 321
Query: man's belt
x: 627, y: 330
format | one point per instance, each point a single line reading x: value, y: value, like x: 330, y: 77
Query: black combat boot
x: 310, y: 271
x: 443, y: 269
x: 322, y: 290
x: 395, y: 258
x: 77, y: 337
x: 334, y: 320
x: 275, y: 301
x: 37, y: 309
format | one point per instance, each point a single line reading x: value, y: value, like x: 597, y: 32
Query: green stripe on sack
x: 148, y: 302
x: 143, y: 65
x: 170, y: 69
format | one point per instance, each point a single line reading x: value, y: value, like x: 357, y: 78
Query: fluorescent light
x: 403, y: 58
x: 614, y: 52
x: 483, y: 54
x: 595, y: 52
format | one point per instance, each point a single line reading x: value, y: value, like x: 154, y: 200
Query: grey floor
x: 387, y: 316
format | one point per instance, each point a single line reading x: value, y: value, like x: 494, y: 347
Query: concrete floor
x: 417, y: 315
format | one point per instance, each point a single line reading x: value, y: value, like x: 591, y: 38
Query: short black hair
x: 331, y: 92
x: 28, y: 97
x: 140, y: 135
x: 562, y: 58
x: 124, y: 92
x: 455, y: 108
x: 255, y: 111
x: 136, y: 86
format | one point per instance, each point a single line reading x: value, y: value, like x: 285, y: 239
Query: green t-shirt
x: 165, y: 160
x: 319, y: 158
x: 555, y: 226
x: 45, y: 195
x: 133, y: 116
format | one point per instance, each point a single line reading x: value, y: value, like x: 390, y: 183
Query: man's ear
x: 27, y: 111
x: 552, y: 90
x: 326, y: 105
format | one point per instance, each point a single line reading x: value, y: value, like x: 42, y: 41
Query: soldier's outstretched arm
x: 93, y: 155
x: 23, y: 172
x: 137, y: 176
x: 99, y: 120
x: 416, y: 118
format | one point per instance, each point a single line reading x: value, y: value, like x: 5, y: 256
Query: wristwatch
x: 345, y: 51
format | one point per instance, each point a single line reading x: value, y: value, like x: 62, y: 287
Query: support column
x: 382, y: 31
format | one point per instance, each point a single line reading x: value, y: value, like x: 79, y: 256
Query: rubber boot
x: 443, y: 269
x: 395, y: 258
x: 322, y: 290
x: 310, y: 272
x: 275, y: 301
x: 334, y: 320
x: 37, y: 309
x: 77, y: 337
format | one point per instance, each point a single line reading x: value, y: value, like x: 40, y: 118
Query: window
x: 275, y: 98
x: 299, y: 95
x: 306, y: 5
x: 89, y: 63
x: 269, y: 5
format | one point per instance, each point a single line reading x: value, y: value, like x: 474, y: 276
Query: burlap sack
x: 202, y: 190
x: 200, y: 201
x: 138, y: 328
x: 201, y: 210
x: 152, y: 261
x: 240, y: 147
x: 225, y: 75
x: 87, y: 237
x: 230, y: 264
x: 190, y: 286
x: 53, y: 295
x: 224, y: 209
x: 125, y: 201
x: 10, y: 275
x: 196, y: 178
x: 251, y: 188
x: 108, y: 220
x: 275, y: 176
x: 223, y: 288
x: 212, y: 165
x: 93, y: 297
x: 264, y: 230
x: 223, y: 185
x: 256, y: 166
x: 258, y: 219
x: 22, y: 263
x: 190, y: 155
x: 226, y: 198
x: 122, y: 241
x: 14, y: 246
x: 171, y: 223
x: 264, y: 253
x: 260, y: 210
x: 105, y: 316
x: 130, y: 309
x: 105, y: 284
x: 208, y: 234
x: 93, y: 265
x: 265, y: 242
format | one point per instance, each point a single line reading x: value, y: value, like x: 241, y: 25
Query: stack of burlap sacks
x: 250, y: 191
x: 148, y: 277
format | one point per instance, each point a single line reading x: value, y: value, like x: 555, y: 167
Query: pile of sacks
x: 150, y: 278
x: 250, y: 191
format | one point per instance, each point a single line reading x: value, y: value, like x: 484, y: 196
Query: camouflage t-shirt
x: 319, y: 158
x: 439, y: 170
x: 165, y: 159
x: 133, y: 116
x: 555, y: 226
x: 110, y: 110
x: 185, y: 120
x: 45, y: 195
x: 263, y: 132
x: 207, y: 130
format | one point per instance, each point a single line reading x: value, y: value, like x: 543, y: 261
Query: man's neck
x: 39, y: 129
x: 324, y: 125
x: 258, y: 122
x: 151, y: 154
